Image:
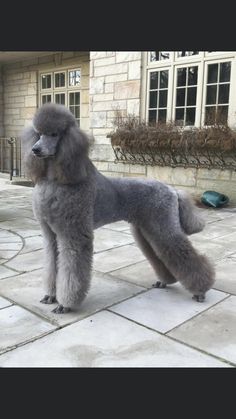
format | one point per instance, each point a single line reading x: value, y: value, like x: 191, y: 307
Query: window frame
x: 201, y: 60
x: 59, y: 90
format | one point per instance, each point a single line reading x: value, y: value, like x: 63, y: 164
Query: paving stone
x: 140, y: 273
x: 213, y: 250
x: 4, y: 303
x: 106, y: 340
x: 18, y: 325
x: 6, y: 272
x: 25, y: 227
x: 106, y: 239
x: 27, y: 262
x: 27, y: 290
x: 32, y: 243
x: 225, y: 276
x: 117, y: 258
x: 164, y: 309
x: 118, y: 226
x: 215, y: 230
x: 214, y: 331
x: 228, y: 241
x: 11, y: 246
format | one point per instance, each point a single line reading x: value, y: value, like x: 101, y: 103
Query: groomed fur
x: 71, y: 198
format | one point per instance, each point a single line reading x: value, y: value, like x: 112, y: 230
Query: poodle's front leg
x: 74, y: 271
x: 50, y: 269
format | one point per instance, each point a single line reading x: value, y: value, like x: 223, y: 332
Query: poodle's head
x: 51, y: 122
x: 55, y: 139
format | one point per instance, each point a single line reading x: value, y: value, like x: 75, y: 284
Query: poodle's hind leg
x: 193, y: 270
x: 50, y: 269
x: 74, y: 270
x: 160, y: 269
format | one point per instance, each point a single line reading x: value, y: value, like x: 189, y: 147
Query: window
x: 158, y: 96
x: 186, y: 95
x: 217, y: 93
x: 190, y: 88
x: 62, y: 87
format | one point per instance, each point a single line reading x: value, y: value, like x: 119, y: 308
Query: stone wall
x: 115, y: 83
x: 20, y: 82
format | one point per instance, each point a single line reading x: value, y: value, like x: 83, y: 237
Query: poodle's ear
x: 72, y: 157
x: 34, y: 168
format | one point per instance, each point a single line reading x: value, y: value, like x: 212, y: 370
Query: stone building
x: 182, y: 86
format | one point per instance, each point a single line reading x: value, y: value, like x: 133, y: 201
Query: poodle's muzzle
x: 46, y: 146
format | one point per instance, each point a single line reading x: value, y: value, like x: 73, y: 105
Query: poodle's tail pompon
x: 190, y: 220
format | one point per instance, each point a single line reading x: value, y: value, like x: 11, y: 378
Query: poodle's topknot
x: 53, y: 117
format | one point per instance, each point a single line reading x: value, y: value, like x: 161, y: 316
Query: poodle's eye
x: 54, y: 134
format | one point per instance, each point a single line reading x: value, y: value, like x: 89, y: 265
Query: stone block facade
x: 110, y: 81
x: 20, y: 80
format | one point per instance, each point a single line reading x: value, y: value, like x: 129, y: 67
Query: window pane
x: 71, y: 98
x: 46, y: 81
x: 179, y: 116
x: 211, y: 95
x: 186, y: 53
x: 223, y: 93
x: 60, y: 98
x: 212, y: 73
x: 162, y: 98
x: 46, y: 99
x: 192, y: 75
x: 152, y: 115
x: 60, y: 79
x: 181, y: 77
x: 222, y: 114
x: 162, y: 115
x: 154, y: 80
x: 180, y: 98
x: 153, y: 99
x: 77, y: 98
x: 191, y: 96
x: 210, y: 115
x: 74, y: 77
x: 163, y: 79
x: 159, y: 55
x: 190, y: 116
x: 225, y: 71
x: 77, y: 112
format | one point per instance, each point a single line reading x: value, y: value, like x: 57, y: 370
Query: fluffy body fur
x: 71, y: 199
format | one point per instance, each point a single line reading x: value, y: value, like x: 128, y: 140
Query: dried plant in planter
x: 167, y: 144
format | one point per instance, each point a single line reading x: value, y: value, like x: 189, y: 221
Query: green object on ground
x: 214, y: 199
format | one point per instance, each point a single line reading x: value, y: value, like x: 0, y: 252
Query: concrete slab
x: 105, y: 239
x: 214, y: 331
x: 6, y: 272
x: 215, y: 251
x: 27, y: 262
x: 31, y: 244
x: 25, y: 227
x: 118, y: 226
x: 164, y: 309
x: 27, y: 290
x: 140, y: 273
x: 4, y: 303
x: 117, y: 258
x: 106, y: 340
x: 226, y: 276
x: 18, y: 326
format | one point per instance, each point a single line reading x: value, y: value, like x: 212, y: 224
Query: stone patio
x: 123, y: 322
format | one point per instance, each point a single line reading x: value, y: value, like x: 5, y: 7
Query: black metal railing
x: 10, y: 156
x: 177, y: 158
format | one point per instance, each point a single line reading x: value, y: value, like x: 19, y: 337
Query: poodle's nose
x: 36, y: 150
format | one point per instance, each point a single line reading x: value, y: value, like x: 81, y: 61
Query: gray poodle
x: 71, y: 199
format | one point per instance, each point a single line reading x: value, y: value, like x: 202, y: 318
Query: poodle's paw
x: 199, y: 298
x: 61, y: 309
x: 159, y: 284
x: 48, y: 299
